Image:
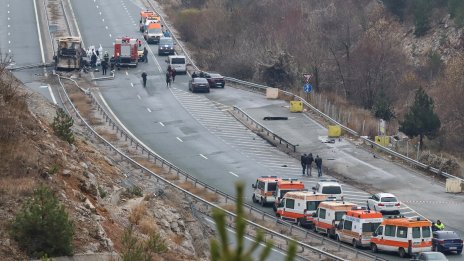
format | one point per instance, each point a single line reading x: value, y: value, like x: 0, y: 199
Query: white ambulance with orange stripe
x: 403, y: 235
x: 298, y: 207
x: 264, y: 189
x: 329, y: 214
x: 286, y: 185
x: 357, y: 226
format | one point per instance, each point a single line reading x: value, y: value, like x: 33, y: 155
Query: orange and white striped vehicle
x: 264, y: 189
x: 357, y: 226
x: 403, y: 235
x: 298, y: 207
x: 286, y: 185
x: 329, y: 214
x: 146, y: 18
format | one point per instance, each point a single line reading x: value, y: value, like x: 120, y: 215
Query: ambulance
x: 299, y: 206
x: 357, y: 226
x: 329, y: 214
x: 146, y: 18
x: 287, y: 185
x: 264, y: 189
x: 403, y: 235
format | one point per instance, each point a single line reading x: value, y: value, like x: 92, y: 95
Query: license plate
x: 453, y: 248
x: 389, y: 206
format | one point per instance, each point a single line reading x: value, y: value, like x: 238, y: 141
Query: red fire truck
x: 125, y: 52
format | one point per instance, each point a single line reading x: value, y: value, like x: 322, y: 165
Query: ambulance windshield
x: 339, y: 215
x: 271, y: 186
x: 370, y: 227
x: 332, y: 190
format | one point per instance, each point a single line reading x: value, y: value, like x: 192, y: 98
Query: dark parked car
x: 446, y: 241
x: 198, y: 84
x: 215, y: 80
x: 166, y: 46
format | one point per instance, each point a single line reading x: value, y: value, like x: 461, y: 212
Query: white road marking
x: 203, y: 156
x: 51, y: 93
x: 8, y: 19
x: 38, y: 30
x: 97, y: 6
x: 162, y: 124
x: 100, y: 13
x: 138, y: 96
x: 230, y: 172
x: 179, y: 139
x: 8, y: 26
x: 106, y: 27
x: 132, y: 85
x: 127, y: 73
x: 9, y: 42
x: 111, y: 36
x: 9, y: 50
x: 148, y: 109
x: 9, y: 33
x: 103, y: 19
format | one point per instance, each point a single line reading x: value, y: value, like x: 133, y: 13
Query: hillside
x: 102, y: 195
x: 361, y: 53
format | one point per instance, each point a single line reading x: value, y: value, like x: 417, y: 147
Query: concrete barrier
x: 272, y: 93
x: 453, y: 185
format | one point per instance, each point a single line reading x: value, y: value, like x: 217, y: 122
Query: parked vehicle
x: 69, y: 53
x: 198, y: 85
x: 384, y: 203
x: 215, y: 80
x: 126, y: 52
x: 330, y: 187
x: 299, y: 206
x: 285, y: 185
x: 177, y: 62
x: 264, y: 188
x: 429, y: 256
x: 446, y: 241
x: 403, y: 235
x: 328, y: 216
x: 146, y: 18
x: 357, y: 226
x: 166, y: 46
x: 153, y: 33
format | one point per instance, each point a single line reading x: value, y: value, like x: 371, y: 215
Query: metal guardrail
x: 262, y: 89
x: 166, y: 164
x: 29, y: 66
x: 268, y: 132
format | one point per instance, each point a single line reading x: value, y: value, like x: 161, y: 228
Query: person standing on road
x: 173, y: 74
x: 144, y: 78
x: 168, y: 78
x: 145, y: 54
x: 303, y: 162
x: 439, y: 225
x: 309, y: 163
x: 104, y: 66
x: 318, y: 162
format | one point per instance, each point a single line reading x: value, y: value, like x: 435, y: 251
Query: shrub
x: 62, y: 124
x: 136, y: 250
x: 42, y: 226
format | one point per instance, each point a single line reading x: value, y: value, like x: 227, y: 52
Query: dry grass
x: 16, y: 187
x: 147, y: 225
x: 111, y: 137
x: 199, y: 191
x: 137, y: 213
x: 177, y: 239
x: 82, y: 103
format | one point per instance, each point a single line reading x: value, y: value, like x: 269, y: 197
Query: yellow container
x: 296, y: 106
x: 335, y: 131
x: 382, y: 140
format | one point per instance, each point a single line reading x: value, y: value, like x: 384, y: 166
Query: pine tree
x: 421, y: 120
x: 62, y: 124
x: 221, y: 250
x: 382, y: 108
x: 42, y: 227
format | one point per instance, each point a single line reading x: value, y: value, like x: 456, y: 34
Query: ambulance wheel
x: 254, y: 199
x: 355, y: 243
x: 402, y: 252
x: 374, y: 248
x: 298, y: 222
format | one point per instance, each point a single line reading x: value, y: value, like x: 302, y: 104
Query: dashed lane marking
x: 203, y: 156
x: 230, y: 172
x: 162, y: 124
x: 148, y: 109
x: 179, y: 139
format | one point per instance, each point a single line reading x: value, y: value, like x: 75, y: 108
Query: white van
x: 178, y: 62
x: 330, y: 187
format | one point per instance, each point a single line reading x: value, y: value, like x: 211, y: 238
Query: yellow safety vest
x: 440, y: 227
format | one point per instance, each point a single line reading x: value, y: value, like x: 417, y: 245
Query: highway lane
x: 19, y: 40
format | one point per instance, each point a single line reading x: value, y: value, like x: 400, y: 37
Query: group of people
x: 307, y: 162
x: 170, y: 76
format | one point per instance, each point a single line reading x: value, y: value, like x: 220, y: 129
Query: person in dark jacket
x: 145, y: 54
x: 309, y: 163
x: 104, y: 66
x: 168, y: 78
x: 144, y: 79
x: 303, y: 162
x: 318, y: 162
x: 93, y: 60
x: 173, y: 74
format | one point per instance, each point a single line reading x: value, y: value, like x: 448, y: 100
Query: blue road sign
x: 307, y: 88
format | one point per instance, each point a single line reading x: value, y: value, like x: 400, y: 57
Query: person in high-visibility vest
x: 439, y: 225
